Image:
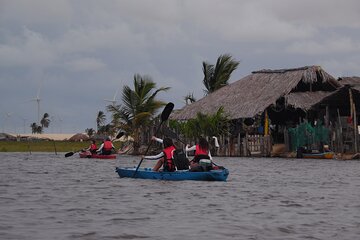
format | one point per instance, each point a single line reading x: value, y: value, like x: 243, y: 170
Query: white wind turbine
x: 113, y: 100
x: 37, y: 99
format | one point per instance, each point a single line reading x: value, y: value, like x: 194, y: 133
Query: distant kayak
x: 98, y: 156
x: 148, y: 173
x: 323, y: 155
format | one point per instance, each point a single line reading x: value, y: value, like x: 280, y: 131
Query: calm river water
x: 46, y: 196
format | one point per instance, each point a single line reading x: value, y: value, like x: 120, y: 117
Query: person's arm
x: 187, y: 149
x: 154, y: 157
x: 216, y: 142
x: 100, y: 148
x: 210, y: 155
x: 157, y: 139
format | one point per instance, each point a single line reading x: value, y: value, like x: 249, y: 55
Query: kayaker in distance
x: 202, y: 151
x: 92, y: 148
x: 165, y: 157
x: 106, y: 148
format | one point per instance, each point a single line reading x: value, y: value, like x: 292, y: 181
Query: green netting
x: 307, y: 135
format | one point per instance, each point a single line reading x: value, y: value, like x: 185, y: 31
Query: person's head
x: 107, y: 139
x: 203, y: 143
x: 167, y: 142
x: 177, y: 145
x: 93, y: 141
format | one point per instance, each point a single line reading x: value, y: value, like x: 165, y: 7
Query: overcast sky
x: 79, y: 53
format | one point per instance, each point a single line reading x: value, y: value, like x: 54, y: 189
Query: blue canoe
x: 147, y: 173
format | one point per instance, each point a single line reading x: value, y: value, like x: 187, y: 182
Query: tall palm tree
x: 100, y: 119
x: 139, y: 106
x: 45, y: 121
x: 215, y: 77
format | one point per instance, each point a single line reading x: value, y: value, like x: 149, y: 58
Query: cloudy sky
x: 78, y: 53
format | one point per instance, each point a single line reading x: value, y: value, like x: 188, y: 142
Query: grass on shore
x: 45, y: 146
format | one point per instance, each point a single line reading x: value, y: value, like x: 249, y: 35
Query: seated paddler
x: 202, y: 151
x: 106, y: 148
x: 165, y: 157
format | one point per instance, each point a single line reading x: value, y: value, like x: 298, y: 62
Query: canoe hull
x: 325, y: 155
x: 97, y: 156
x: 147, y: 173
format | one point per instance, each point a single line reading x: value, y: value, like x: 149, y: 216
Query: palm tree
x: 90, y: 131
x: 139, y: 106
x: 45, y: 121
x: 215, y: 77
x: 100, y: 119
x: 189, y: 98
x: 35, y: 128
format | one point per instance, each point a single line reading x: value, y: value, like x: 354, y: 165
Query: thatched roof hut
x: 251, y: 95
x: 79, y: 137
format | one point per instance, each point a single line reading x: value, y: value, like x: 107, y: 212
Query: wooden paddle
x: 69, y: 154
x: 164, y: 116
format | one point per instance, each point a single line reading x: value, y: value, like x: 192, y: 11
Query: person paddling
x: 201, y: 152
x: 165, y: 157
x: 92, y: 148
x: 106, y: 148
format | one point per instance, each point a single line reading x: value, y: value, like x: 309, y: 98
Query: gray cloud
x: 83, y: 50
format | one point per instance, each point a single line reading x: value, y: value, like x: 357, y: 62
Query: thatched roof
x: 5, y: 136
x: 252, y: 94
x: 79, y: 137
x: 305, y: 100
x: 354, y: 82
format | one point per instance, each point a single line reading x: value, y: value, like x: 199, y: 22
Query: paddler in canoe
x: 92, y: 148
x: 106, y: 148
x: 165, y: 157
x: 202, y: 151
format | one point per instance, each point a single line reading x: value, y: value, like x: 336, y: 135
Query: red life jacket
x: 200, y: 151
x: 93, y: 147
x: 168, y: 159
x: 107, y: 145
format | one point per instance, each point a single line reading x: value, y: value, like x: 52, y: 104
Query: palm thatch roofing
x: 252, y: 94
x: 79, y: 137
x: 351, y: 81
x: 306, y: 100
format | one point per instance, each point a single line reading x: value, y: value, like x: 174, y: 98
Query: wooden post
x: 246, y: 145
x: 239, y: 145
x: 286, y: 140
x: 266, y: 125
x: 327, y: 121
x: 353, y: 116
x: 341, y: 146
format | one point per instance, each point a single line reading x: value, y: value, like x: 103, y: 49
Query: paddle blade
x: 119, y: 135
x: 69, y: 154
x: 166, y: 112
